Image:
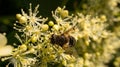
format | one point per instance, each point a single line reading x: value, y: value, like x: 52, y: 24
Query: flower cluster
x: 36, y: 48
x: 93, y: 40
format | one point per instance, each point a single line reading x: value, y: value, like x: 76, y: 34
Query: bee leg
x: 65, y: 46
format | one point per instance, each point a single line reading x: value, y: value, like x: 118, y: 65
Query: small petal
x: 3, y: 40
x: 6, y: 51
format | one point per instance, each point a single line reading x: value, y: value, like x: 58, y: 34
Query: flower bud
x: 32, y: 50
x: 56, y: 27
x: 34, y: 39
x: 45, y: 27
x: 103, y: 18
x: 50, y: 23
x: 64, y: 13
x: 22, y: 20
x: 59, y: 9
x: 86, y: 55
x: 98, y: 53
x: 52, y: 56
x: 23, y: 47
x: 18, y: 16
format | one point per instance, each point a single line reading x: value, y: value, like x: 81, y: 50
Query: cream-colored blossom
x: 3, y: 40
x: 5, y: 50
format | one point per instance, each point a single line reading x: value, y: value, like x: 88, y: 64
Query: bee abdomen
x: 72, y: 41
x: 59, y: 39
x: 62, y: 40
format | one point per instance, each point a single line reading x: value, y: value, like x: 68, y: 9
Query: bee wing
x: 71, y: 51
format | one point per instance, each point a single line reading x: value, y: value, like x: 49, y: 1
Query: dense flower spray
x: 40, y: 47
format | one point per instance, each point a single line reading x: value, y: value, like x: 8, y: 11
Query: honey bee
x: 64, y: 40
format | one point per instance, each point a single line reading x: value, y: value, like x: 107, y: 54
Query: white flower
x: 32, y: 16
x: 3, y: 40
x: 30, y: 22
x: 5, y: 50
